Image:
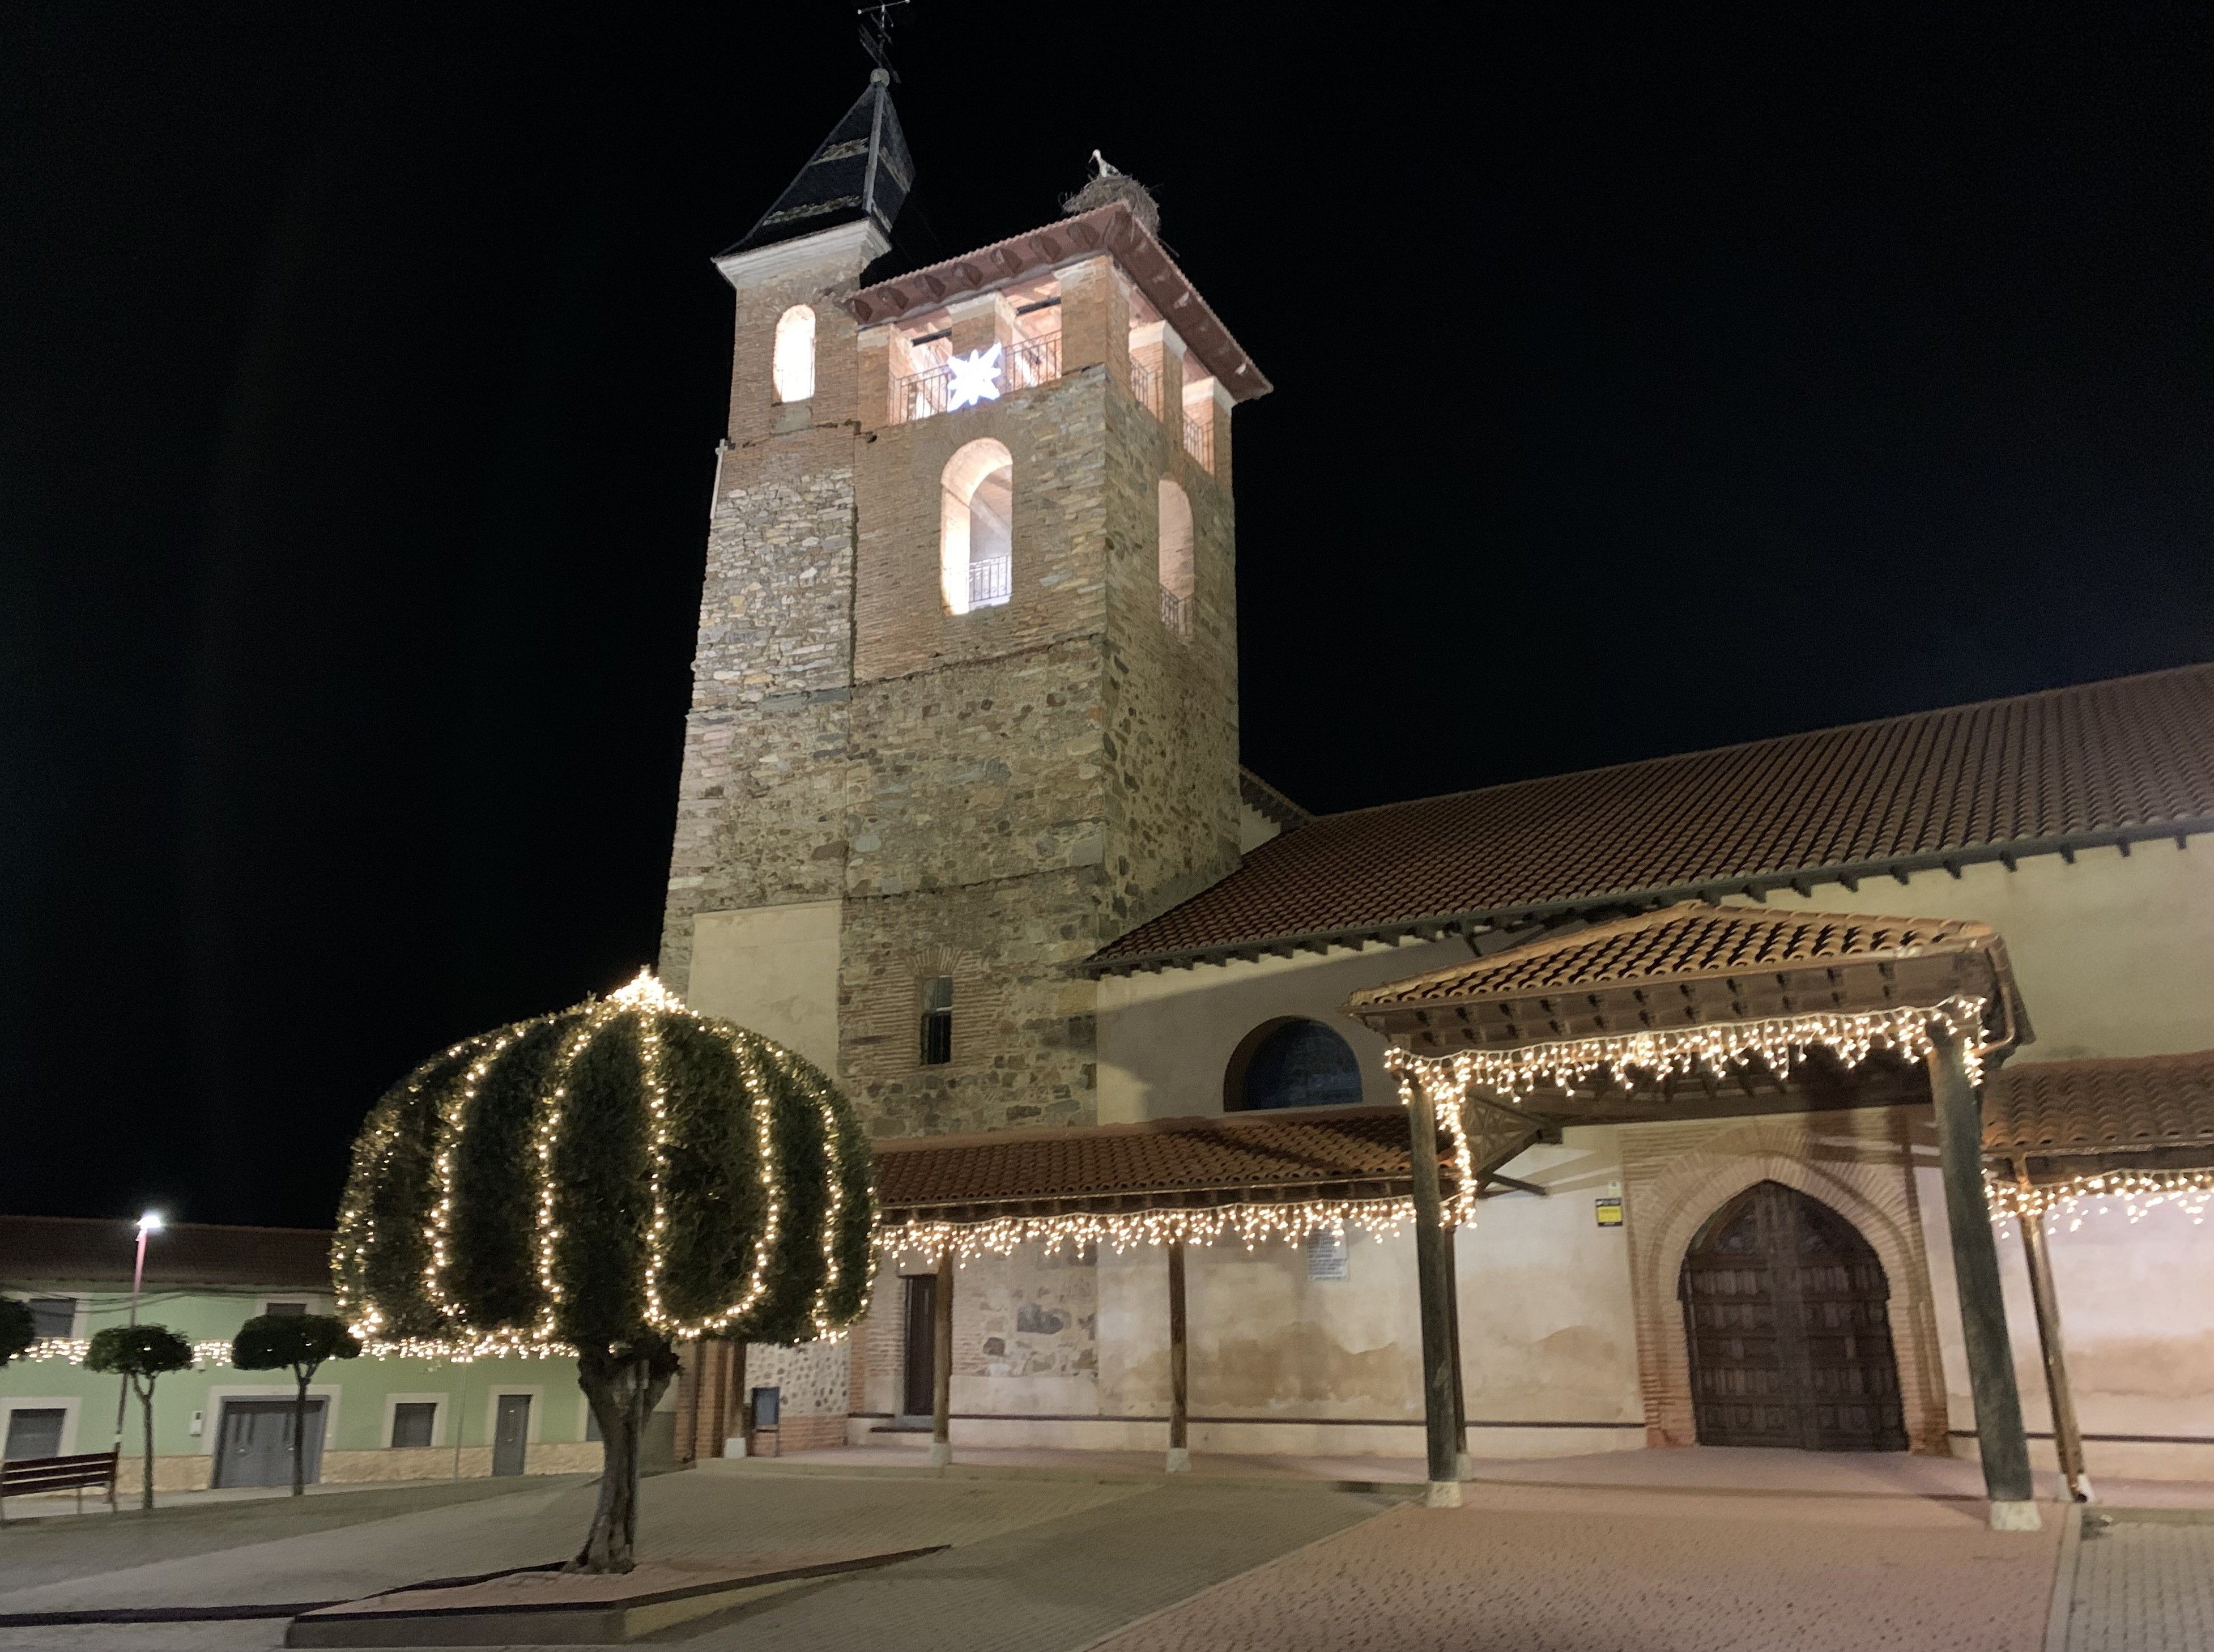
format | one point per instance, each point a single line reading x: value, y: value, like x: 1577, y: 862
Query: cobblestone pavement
x: 2143, y: 1586
x: 1532, y: 1570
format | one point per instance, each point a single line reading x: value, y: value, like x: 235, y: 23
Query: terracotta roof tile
x: 2136, y: 1103
x: 91, y: 1250
x: 1304, y: 1154
x: 2102, y: 761
x: 1686, y: 942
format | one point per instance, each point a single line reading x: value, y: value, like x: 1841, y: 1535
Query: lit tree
x: 142, y: 1354
x: 611, y: 1180
x: 19, y: 1330
x: 298, y: 1343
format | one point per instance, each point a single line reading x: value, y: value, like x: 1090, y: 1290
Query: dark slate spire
x: 862, y: 170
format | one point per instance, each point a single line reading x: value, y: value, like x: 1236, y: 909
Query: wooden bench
x: 29, y: 1474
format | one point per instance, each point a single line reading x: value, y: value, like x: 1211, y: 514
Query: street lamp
x: 148, y: 1222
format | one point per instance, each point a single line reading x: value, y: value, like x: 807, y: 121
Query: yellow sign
x: 1609, y: 1212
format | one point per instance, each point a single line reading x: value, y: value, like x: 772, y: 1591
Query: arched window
x: 975, y: 539
x: 792, y: 367
x: 1175, y: 560
x: 1291, y: 1062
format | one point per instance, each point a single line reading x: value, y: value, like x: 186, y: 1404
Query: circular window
x: 1292, y: 1063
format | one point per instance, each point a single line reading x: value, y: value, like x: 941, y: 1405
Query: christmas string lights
x: 410, y: 1159
x: 1778, y: 1043
x: 2134, y: 1193
x: 1249, y: 1224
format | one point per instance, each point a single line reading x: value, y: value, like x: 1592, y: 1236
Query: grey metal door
x: 254, y: 1442
x: 510, y: 1434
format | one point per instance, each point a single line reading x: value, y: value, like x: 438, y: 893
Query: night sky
x: 360, y: 374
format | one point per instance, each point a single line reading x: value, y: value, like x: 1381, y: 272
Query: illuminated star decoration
x: 975, y: 378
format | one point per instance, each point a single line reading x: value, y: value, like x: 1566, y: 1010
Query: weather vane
x: 876, y: 33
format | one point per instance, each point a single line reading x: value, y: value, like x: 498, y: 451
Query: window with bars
x: 937, y: 1021
x: 52, y: 1315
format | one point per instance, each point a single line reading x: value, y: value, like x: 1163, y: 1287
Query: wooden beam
x: 1464, y: 1465
x: 1179, y: 1378
x: 2067, y: 1434
x: 941, y: 1365
x: 2000, y: 1440
x: 1431, y: 1286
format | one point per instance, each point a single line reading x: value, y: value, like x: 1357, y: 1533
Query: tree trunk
x: 146, y: 1400
x: 622, y: 1392
x: 300, y: 1437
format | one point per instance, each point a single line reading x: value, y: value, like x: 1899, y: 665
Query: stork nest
x: 1109, y: 187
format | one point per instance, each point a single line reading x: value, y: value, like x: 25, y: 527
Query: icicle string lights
x: 1779, y: 1044
x: 2134, y: 1193
x: 1249, y: 1224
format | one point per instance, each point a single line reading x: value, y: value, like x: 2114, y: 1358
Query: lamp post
x: 148, y: 1222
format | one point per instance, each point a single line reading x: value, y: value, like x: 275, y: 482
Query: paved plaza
x: 1673, y: 1552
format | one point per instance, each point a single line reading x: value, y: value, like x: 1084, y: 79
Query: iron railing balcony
x: 1199, y: 440
x: 991, y: 582
x: 1023, y: 365
x: 1176, y: 612
x: 1146, y: 386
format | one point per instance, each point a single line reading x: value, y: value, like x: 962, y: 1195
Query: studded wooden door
x: 1784, y: 1311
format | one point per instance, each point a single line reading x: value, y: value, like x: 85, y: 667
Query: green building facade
x: 371, y: 1418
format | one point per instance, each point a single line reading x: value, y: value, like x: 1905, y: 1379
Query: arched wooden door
x: 1790, y: 1343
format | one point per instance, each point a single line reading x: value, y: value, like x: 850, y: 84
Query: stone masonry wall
x: 1171, y: 700
x: 761, y: 801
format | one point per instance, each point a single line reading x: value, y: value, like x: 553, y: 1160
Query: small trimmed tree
x: 143, y: 1355
x: 298, y: 1343
x: 19, y: 1329
x: 612, y: 1180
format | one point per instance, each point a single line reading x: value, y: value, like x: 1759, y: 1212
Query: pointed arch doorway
x: 1786, y: 1316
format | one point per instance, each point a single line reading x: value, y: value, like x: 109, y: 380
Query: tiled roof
x: 1691, y: 941
x: 2101, y: 762
x: 1112, y: 229
x: 1694, y: 965
x: 2140, y: 1103
x: 1264, y: 800
x: 1360, y: 1151
x: 64, y: 1249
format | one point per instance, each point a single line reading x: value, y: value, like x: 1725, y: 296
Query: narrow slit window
x: 937, y: 1021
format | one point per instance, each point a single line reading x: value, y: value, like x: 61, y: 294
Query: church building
x: 1164, y: 1073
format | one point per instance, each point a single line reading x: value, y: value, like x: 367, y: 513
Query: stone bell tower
x: 964, y: 703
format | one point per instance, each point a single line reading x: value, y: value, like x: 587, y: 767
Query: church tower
x: 965, y: 698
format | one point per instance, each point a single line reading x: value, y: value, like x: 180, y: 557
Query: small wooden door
x: 1785, y: 1315
x: 510, y: 1434
x: 918, y: 1387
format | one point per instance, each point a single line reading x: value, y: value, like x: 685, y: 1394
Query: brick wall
x: 1859, y: 1163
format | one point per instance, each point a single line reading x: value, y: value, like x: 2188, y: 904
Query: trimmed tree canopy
x: 620, y: 1172
x: 291, y: 1341
x: 19, y: 1329
x: 139, y: 1352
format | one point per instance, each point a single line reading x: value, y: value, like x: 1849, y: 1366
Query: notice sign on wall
x: 1609, y: 1212
x: 1327, y: 1255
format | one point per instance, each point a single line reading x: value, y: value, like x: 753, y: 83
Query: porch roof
x: 1329, y: 1154
x: 1694, y: 965
x: 2140, y: 1111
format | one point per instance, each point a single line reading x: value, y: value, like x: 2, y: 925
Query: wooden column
x: 2067, y: 1435
x: 2000, y: 1440
x: 941, y: 1365
x: 1463, y: 1464
x: 1179, y: 1381
x: 1430, y: 1280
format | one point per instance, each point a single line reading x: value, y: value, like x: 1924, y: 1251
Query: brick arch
x: 1859, y: 1164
